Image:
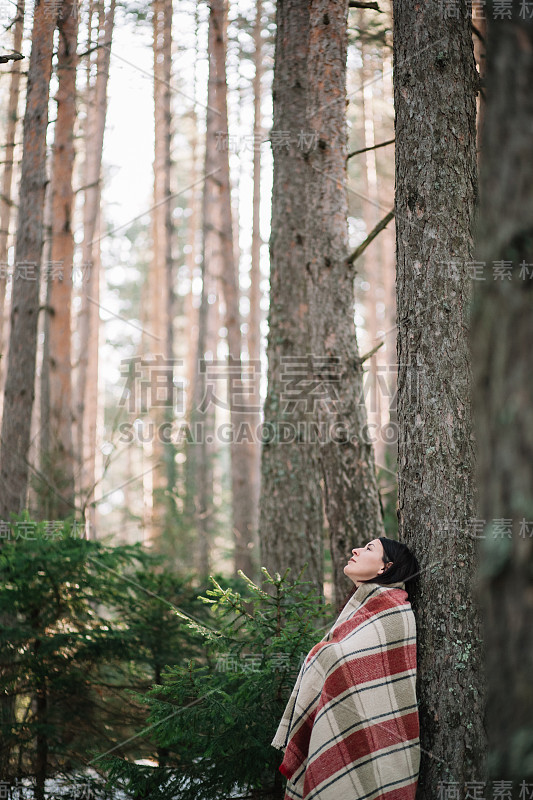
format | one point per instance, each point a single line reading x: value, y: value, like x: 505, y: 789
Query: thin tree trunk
x: 501, y: 335
x: 435, y: 101
x: 254, y: 323
x: 57, y: 458
x: 7, y: 176
x: 39, y: 490
x: 241, y: 448
x: 20, y: 382
x: 372, y: 256
x: 191, y: 311
x: 170, y: 450
x: 161, y: 271
x: 87, y: 388
x: 203, y: 411
x: 388, y: 238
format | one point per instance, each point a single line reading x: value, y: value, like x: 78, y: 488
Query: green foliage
x: 109, y: 659
x: 85, y: 628
x: 215, y: 717
x: 55, y: 635
x: 370, y: 28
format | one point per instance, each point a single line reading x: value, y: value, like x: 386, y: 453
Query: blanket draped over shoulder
x: 350, y: 729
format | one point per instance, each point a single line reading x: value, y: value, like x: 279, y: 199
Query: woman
x: 350, y: 729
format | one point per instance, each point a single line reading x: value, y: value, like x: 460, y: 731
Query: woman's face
x: 366, y: 562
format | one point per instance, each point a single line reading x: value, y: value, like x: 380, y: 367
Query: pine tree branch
x: 14, y: 56
x: 366, y: 149
x: 478, y: 33
x: 371, y: 236
x: 362, y: 359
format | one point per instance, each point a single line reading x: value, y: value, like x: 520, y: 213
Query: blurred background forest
x: 124, y: 278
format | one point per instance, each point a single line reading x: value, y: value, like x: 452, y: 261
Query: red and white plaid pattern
x: 350, y: 729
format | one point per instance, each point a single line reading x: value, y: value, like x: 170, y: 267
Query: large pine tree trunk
x: 7, y: 175
x: 20, y: 381
x: 241, y: 448
x: 435, y: 88
x: 87, y: 385
x: 352, y: 500
x: 312, y: 333
x: 501, y: 336
x: 57, y: 457
x: 291, y: 517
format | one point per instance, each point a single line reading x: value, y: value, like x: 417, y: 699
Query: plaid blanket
x: 350, y: 729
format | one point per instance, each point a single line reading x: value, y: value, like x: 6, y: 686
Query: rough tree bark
x: 435, y: 85
x: 311, y: 313
x: 57, y: 456
x: 290, y: 513
x: 501, y: 335
x: 20, y: 380
x: 352, y: 501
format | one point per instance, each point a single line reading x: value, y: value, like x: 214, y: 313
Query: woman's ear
x: 387, y: 565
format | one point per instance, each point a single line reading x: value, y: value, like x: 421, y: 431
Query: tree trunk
x: 87, y: 386
x: 435, y: 88
x: 7, y: 703
x: 191, y: 311
x: 388, y: 239
x: 311, y: 274
x: 255, y: 316
x: 240, y: 447
x: 161, y: 271
x: 57, y: 458
x: 290, y: 513
x: 20, y: 381
x: 7, y: 176
x: 202, y: 412
x: 351, y: 496
x: 501, y: 335
x: 373, y: 260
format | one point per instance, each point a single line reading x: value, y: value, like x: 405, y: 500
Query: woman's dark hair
x: 404, y: 567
